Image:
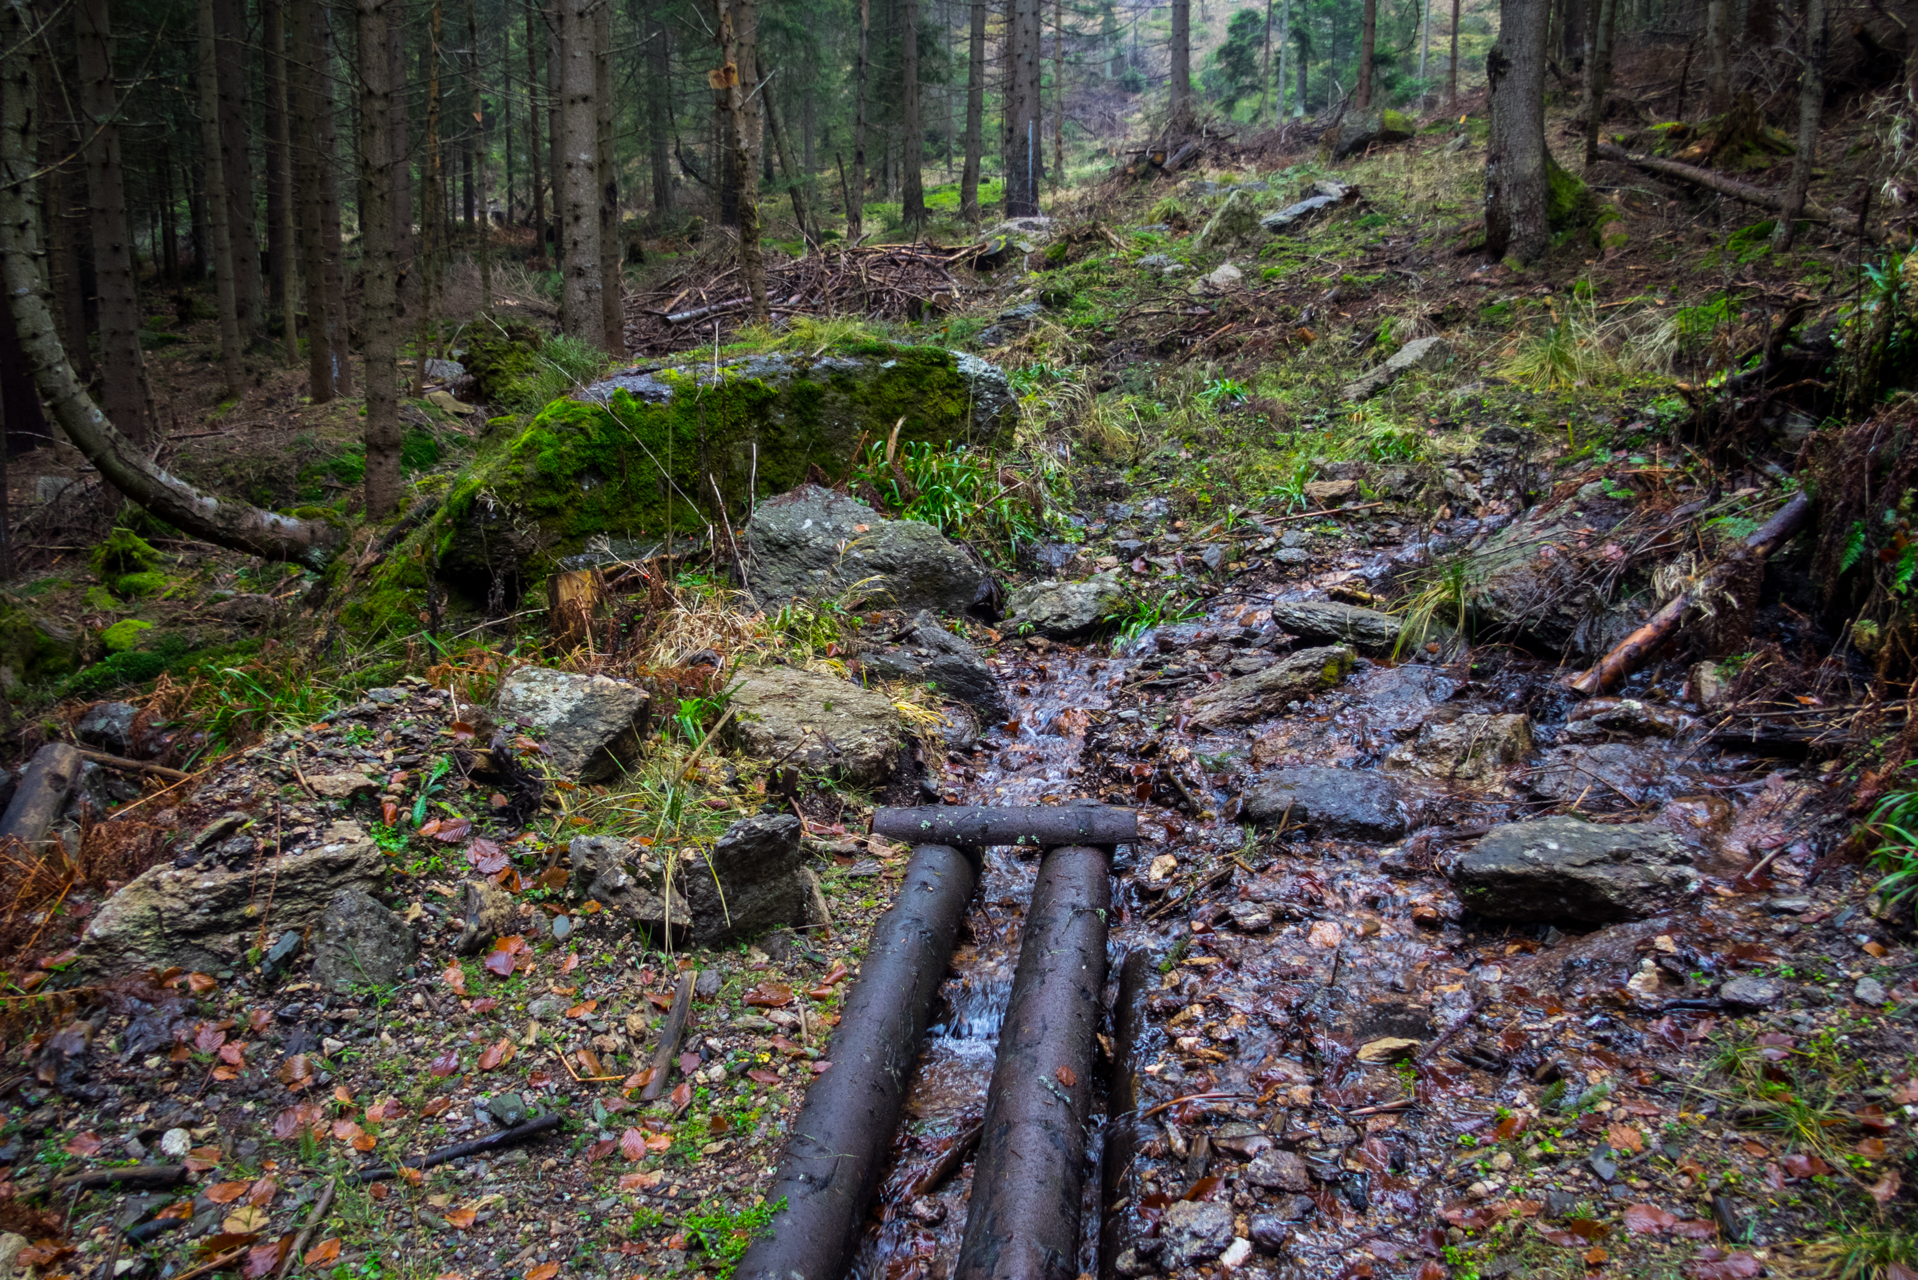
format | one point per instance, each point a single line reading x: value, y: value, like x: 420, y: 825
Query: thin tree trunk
x: 229, y: 53
x: 581, y: 314
x: 612, y: 313
x: 405, y: 247
x: 1022, y: 150
x: 286, y: 292
x: 312, y: 174
x: 229, y: 524
x: 124, y: 383
x: 169, y: 223
x: 1598, y: 74
x: 232, y: 345
x: 1515, y: 158
x: 1811, y: 100
x: 735, y: 50
x: 1180, y: 49
x: 659, y: 90
x: 975, y: 114
x: 534, y: 79
x: 556, y: 142
x: 1058, y: 95
x: 1265, y: 63
x: 1718, y: 45
x: 1285, y: 33
x: 1368, y: 44
x: 1451, y: 73
x: 485, y: 228
x: 433, y: 224
x: 795, y: 180
x: 856, y: 190
x: 912, y: 136
x: 377, y: 345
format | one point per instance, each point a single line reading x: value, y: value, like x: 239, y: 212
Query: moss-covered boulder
x: 661, y: 449
x: 33, y: 648
x: 502, y: 362
x: 1354, y: 134
x: 127, y: 564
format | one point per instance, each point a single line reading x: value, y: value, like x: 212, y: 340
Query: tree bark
x: 612, y: 314
x: 313, y: 176
x: 1718, y: 47
x: 1451, y: 72
x: 485, y: 228
x: 377, y: 343
x: 735, y: 51
x: 975, y: 114
x: 1811, y: 100
x: 235, y: 525
x: 1058, y: 95
x: 1023, y: 159
x: 912, y: 136
x: 169, y: 225
x: 856, y: 187
x: 229, y: 64
x: 219, y: 225
x: 405, y: 244
x: 1516, y: 189
x: 1598, y: 74
x: 795, y: 180
x: 279, y: 251
x: 581, y: 286
x: 659, y: 116
x: 1368, y: 45
x: 534, y: 79
x: 1180, y: 49
x: 124, y: 369
x: 433, y: 221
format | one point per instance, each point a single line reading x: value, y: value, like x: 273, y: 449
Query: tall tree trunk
x: 1304, y: 58
x: 378, y: 347
x: 286, y: 290
x: 1515, y: 158
x: 485, y: 246
x: 795, y: 180
x: 433, y: 222
x: 535, y: 79
x: 856, y: 190
x: 405, y: 245
x: 1285, y: 33
x: 1598, y: 74
x: 612, y: 312
x: 1368, y: 45
x: 1718, y: 46
x: 1023, y: 160
x: 124, y: 383
x: 555, y: 142
x: 1180, y: 48
x: 659, y: 89
x: 1451, y: 72
x: 1811, y: 101
x: 313, y: 174
x: 229, y: 524
x: 219, y: 228
x: 169, y: 220
x: 975, y: 114
x: 1265, y: 63
x: 1425, y: 45
x: 736, y: 24
x: 1058, y: 95
x: 229, y: 53
x: 581, y: 314
x: 912, y: 136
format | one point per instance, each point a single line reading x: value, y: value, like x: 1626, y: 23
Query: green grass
x: 1893, y: 827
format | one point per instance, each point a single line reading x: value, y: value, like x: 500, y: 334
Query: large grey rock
x: 361, y: 943
x: 818, y: 722
x: 1610, y: 772
x: 1293, y: 678
x: 1534, y: 579
x: 1359, y: 130
x: 1348, y: 804
x: 1417, y: 354
x: 926, y: 653
x: 201, y: 919
x: 1474, y: 749
x: 1564, y: 869
x: 630, y: 879
x: 753, y: 879
x: 1323, y: 196
x: 592, y: 724
x: 1066, y: 610
x: 1323, y: 621
x: 815, y: 542
x: 108, y: 726
x: 1236, y: 220
x: 1195, y: 1231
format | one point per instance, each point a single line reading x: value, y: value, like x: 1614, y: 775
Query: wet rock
x: 1248, y: 917
x: 1236, y: 1254
x: 927, y: 653
x: 487, y: 912
x: 361, y: 943
x: 1388, y: 1049
x: 1281, y: 1170
x: 1623, y: 771
x: 1795, y: 905
x: 1236, y: 220
x: 1534, y: 579
x: 198, y: 919
x: 1065, y: 610
x: 1293, y: 678
x: 1419, y: 353
x: 1869, y: 991
x: 285, y: 949
x: 1347, y: 804
x: 1626, y: 716
x: 341, y: 786
x: 1751, y: 994
x: 760, y: 867
x: 817, y: 721
x: 1473, y: 749
x: 1324, y: 621
x: 1564, y: 869
x: 592, y: 724
x: 62, y: 1060
x: 1708, y: 684
x: 815, y: 542
x: 108, y: 726
x: 1195, y: 1231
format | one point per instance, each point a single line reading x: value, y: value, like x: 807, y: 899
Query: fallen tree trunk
x: 505, y: 1138
x: 1631, y: 652
x: 238, y: 526
x: 1724, y: 186
x: 147, y: 1176
x: 1120, y: 1227
x: 845, y: 1129
x: 669, y: 1034
x: 1023, y: 1223
x: 44, y: 786
x: 980, y: 825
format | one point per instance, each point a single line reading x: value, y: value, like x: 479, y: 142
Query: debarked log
x: 975, y: 826
x: 1023, y: 1223
x: 845, y: 1129
x: 44, y: 786
x: 1121, y: 1222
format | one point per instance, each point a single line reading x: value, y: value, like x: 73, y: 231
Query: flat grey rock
x: 1347, y: 804
x: 1416, y: 354
x: 818, y: 722
x: 815, y: 542
x: 926, y: 653
x: 1751, y: 994
x: 590, y: 723
x: 1293, y: 678
x: 1065, y: 610
x: 1327, y: 621
x: 1564, y: 869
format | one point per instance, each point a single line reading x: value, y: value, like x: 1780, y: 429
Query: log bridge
x: 1023, y: 1219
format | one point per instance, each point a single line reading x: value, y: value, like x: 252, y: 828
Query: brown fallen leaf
x: 323, y: 1254
x: 1067, y: 1076
x: 84, y: 1144
x: 461, y: 1217
x: 245, y: 1220
x: 225, y: 1192
x: 544, y: 1271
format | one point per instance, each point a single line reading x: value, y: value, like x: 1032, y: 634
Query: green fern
x: 1854, y: 547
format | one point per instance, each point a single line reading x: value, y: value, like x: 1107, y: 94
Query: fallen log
x: 976, y: 826
x: 149, y: 1176
x: 1120, y: 1223
x: 42, y: 794
x: 125, y: 765
x: 500, y: 1141
x: 1718, y: 182
x: 844, y: 1132
x: 668, y: 1047
x: 1632, y: 652
x: 1023, y: 1223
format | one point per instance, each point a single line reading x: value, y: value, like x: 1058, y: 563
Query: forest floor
x: 1552, y: 1102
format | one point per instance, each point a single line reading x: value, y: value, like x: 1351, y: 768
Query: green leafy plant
x: 1144, y: 614
x: 430, y: 785
x: 1228, y: 391
x: 725, y: 1236
x: 961, y: 493
x: 1893, y: 826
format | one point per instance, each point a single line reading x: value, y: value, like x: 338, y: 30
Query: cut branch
x: 1718, y: 182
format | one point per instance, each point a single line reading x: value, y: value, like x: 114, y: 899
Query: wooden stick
x: 231, y: 1255
x: 491, y: 1142
x: 134, y: 766
x: 313, y: 1221
x: 1717, y: 182
x: 669, y: 1034
x: 144, y: 1175
x: 948, y: 1162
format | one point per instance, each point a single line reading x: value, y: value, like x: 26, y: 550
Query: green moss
x: 1397, y: 122
x: 503, y: 362
x: 124, y: 635
x: 31, y: 648
x: 1569, y: 201
x: 122, y: 553
x: 100, y: 600
x: 139, y: 585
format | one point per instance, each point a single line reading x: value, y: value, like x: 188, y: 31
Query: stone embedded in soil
x: 815, y: 542
x: 1564, y: 869
x: 817, y: 722
x: 1627, y: 716
x: 1330, y: 493
x: 360, y: 942
x: 591, y: 724
x: 1263, y: 694
x: 486, y: 912
x: 1416, y: 354
x: 628, y: 879
x: 341, y: 786
x: 1535, y: 577
x: 1281, y: 1170
x: 1606, y: 771
x: 1326, y: 620
x: 1751, y: 994
x: 1473, y: 749
x: 108, y: 726
x: 1065, y: 610
x: 1195, y: 1231
x: 1348, y: 804
x: 1236, y: 220
x: 926, y: 653
x: 1869, y: 991
x: 1388, y: 1049
x: 753, y: 879
x: 206, y: 919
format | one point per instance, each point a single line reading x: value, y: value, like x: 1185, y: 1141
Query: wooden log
x: 668, y: 1047
x: 1718, y: 182
x: 1632, y: 652
x: 42, y: 794
x: 125, y: 765
x: 979, y: 825
x: 505, y: 1138
x: 1120, y: 1221
x: 1023, y: 1223
x: 844, y: 1132
x: 150, y: 1176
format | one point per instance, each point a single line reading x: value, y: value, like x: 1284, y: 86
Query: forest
x: 958, y: 639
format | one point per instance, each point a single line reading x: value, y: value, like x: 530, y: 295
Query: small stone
x: 1869, y: 991
x: 176, y: 1143
x: 1388, y: 1049
x: 1283, y: 1170
x: 331, y: 1046
x: 1502, y: 1161
x: 284, y: 950
x: 341, y: 786
x: 1250, y: 917
x: 1195, y: 1231
x: 707, y: 985
x: 1236, y: 1254
x: 562, y: 928
x: 507, y: 1109
x: 1795, y: 906
x: 1751, y: 994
